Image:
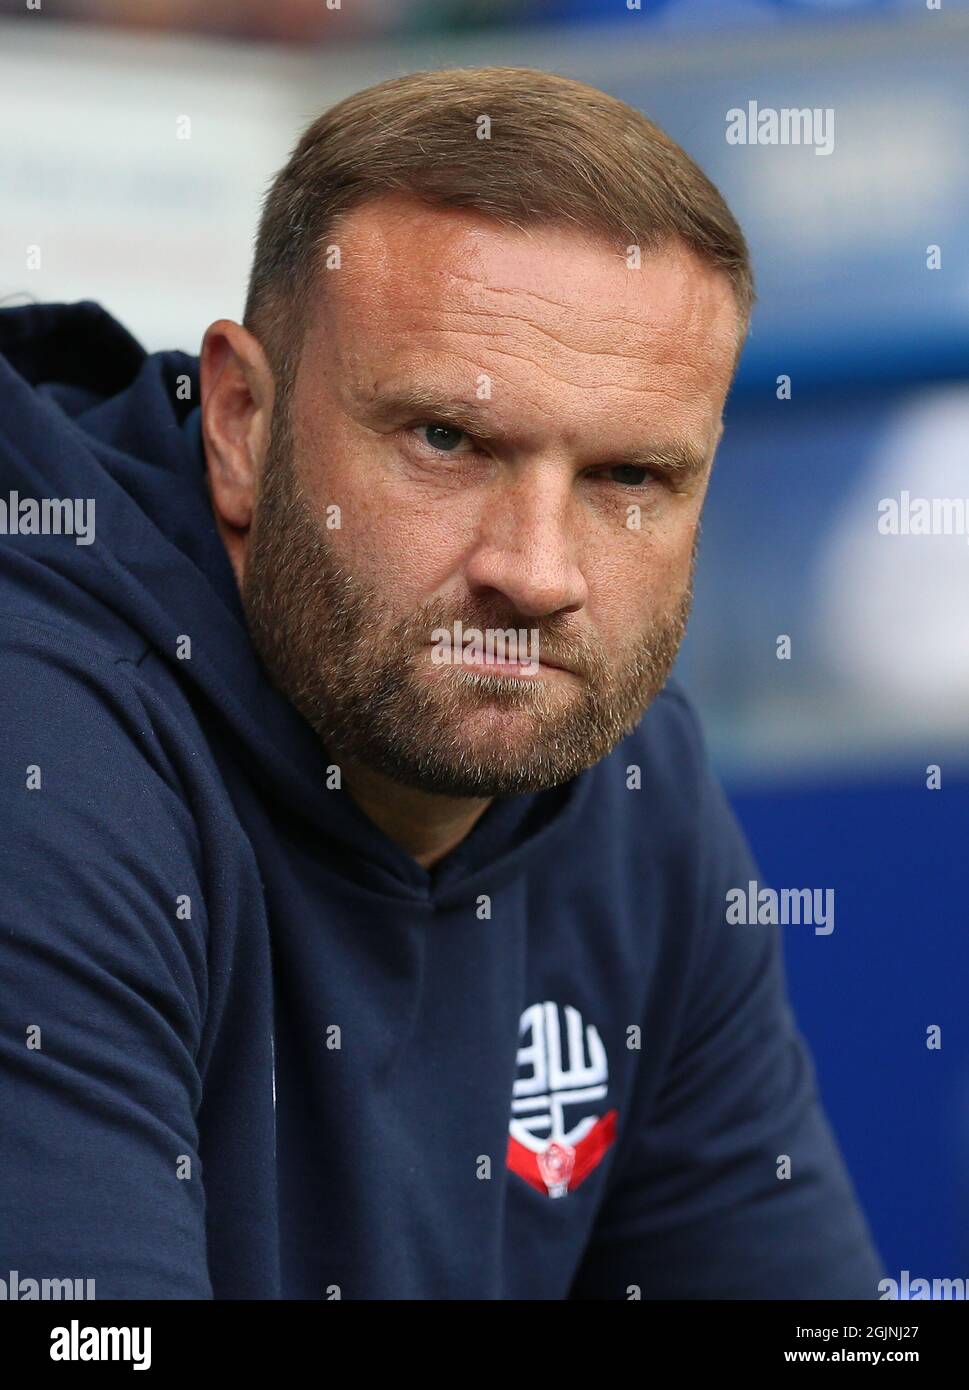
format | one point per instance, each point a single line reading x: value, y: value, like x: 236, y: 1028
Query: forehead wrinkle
x: 584, y: 381
x: 525, y: 390
x: 565, y: 305
x: 482, y: 317
x: 419, y: 305
x: 569, y: 308
x: 693, y: 297
x: 495, y: 336
x: 448, y: 246
x: 645, y: 346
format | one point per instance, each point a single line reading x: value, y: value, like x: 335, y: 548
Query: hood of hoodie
x: 86, y: 413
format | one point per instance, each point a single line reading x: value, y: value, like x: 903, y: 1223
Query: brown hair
x: 559, y: 151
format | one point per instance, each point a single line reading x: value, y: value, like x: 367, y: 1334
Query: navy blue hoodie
x: 249, y: 1048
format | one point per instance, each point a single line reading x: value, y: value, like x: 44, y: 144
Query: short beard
x: 352, y: 670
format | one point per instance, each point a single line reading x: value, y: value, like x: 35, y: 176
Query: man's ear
x: 238, y: 391
x: 237, y: 398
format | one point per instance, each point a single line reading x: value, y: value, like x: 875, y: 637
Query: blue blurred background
x: 825, y: 754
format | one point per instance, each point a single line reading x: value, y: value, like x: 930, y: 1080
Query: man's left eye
x: 630, y: 474
x: 443, y: 438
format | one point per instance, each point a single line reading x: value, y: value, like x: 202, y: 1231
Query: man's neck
x: 428, y: 826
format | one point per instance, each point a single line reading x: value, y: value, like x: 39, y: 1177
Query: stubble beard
x: 356, y: 672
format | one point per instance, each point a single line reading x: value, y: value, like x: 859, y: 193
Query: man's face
x: 517, y: 430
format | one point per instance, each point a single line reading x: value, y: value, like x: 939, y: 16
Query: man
x: 364, y: 925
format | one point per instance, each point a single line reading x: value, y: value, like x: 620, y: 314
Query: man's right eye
x: 443, y: 439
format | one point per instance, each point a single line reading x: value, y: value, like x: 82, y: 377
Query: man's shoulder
x: 78, y: 707
x: 52, y: 637
x: 64, y: 678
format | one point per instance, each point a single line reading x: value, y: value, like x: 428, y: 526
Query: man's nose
x: 527, y: 546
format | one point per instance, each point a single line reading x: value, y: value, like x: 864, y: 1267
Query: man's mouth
x: 515, y: 668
